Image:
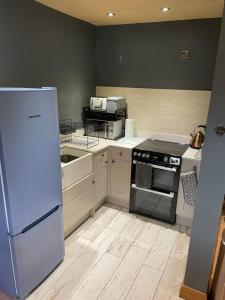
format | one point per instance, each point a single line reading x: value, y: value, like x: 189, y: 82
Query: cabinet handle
x: 113, y: 161
x: 121, y: 153
x: 93, y: 182
x: 106, y: 162
x: 103, y: 155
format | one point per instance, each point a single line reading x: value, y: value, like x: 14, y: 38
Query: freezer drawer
x: 37, y: 252
x: 154, y: 204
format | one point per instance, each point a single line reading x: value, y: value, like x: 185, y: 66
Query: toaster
x: 98, y: 103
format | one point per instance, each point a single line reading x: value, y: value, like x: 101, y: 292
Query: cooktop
x: 163, y: 147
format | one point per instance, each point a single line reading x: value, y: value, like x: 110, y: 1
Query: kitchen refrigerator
x: 31, y: 222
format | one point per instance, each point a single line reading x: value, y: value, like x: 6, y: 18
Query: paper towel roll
x: 129, y: 128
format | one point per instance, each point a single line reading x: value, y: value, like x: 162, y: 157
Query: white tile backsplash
x: 163, y: 113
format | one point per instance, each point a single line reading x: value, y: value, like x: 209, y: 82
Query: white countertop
x: 130, y: 143
x: 104, y: 144
x: 192, y: 154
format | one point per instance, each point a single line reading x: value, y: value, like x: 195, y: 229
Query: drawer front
x: 77, y: 209
x: 77, y: 189
x: 121, y: 153
x: 78, y: 201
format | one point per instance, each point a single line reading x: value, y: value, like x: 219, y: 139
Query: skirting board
x: 184, y: 221
x: 188, y: 293
x: 117, y: 201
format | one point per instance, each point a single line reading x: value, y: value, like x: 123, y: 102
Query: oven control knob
x: 143, y: 155
x: 135, y: 153
x: 139, y: 154
x: 166, y: 159
x: 147, y: 155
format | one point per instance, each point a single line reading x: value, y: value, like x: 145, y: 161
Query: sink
x: 75, y: 165
x: 69, y: 154
x: 66, y: 158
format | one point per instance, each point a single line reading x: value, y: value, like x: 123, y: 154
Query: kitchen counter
x: 192, y: 154
x: 130, y: 143
x: 103, y: 144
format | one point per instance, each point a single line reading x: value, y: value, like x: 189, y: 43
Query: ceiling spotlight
x: 165, y: 9
x: 110, y: 14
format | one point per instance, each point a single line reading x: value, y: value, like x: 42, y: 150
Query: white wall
x: 161, y: 110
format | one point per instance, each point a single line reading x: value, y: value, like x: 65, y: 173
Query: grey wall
x: 148, y: 55
x: 211, y: 189
x: 42, y: 47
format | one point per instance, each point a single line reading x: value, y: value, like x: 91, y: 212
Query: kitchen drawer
x: 77, y: 189
x: 76, y: 204
x: 121, y: 153
x: 78, y: 201
x: 77, y: 209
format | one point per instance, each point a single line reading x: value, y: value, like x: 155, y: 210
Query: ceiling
x: 136, y: 11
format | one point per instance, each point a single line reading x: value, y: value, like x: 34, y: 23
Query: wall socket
x: 185, y: 54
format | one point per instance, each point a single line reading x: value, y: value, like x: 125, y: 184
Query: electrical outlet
x: 185, y: 54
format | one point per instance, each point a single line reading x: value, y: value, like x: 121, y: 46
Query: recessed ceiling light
x: 110, y: 14
x: 165, y: 9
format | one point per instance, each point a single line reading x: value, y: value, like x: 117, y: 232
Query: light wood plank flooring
x: 118, y: 255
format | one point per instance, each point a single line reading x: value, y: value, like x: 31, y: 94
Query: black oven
x: 154, y: 185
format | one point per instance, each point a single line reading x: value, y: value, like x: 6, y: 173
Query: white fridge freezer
x: 31, y: 222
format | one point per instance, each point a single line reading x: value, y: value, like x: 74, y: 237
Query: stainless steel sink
x: 66, y: 158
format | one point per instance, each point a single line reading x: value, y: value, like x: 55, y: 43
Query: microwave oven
x: 104, y: 129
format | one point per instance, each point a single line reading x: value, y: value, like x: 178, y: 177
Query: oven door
x: 165, y: 178
x: 153, y: 204
x: 162, y: 178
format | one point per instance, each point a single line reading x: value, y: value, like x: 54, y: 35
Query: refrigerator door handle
x: 52, y: 211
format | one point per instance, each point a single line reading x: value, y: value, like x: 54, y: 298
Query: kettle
x: 197, y: 138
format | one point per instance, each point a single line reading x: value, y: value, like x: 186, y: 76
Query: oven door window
x: 165, y: 179
x: 154, y: 204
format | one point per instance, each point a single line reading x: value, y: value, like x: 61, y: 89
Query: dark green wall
x: 42, y: 47
x: 148, y: 55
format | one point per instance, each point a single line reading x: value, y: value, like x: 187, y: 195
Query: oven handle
x: 159, y: 167
x: 170, y: 195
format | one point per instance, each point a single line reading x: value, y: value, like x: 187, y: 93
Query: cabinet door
x: 101, y: 177
x: 78, y: 201
x: 120, y: 180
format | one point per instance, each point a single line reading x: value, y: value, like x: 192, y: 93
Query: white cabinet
x: 110, y: 181
x: 78, y: 201
x: 101, y: 177
x: 120, y: 176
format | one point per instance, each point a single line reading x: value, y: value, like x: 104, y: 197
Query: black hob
x: 163, y: 147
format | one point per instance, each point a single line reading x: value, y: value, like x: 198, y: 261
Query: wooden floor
x: 118, y: 255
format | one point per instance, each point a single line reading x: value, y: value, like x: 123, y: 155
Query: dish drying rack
x: 72, y: 132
